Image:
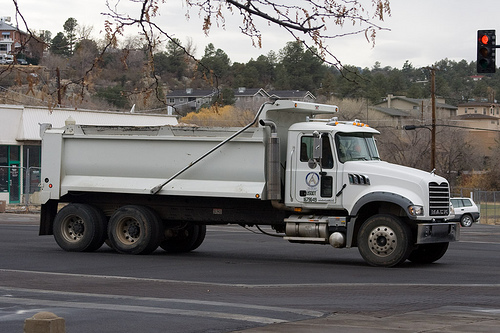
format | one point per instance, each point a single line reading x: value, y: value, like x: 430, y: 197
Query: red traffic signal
x: 486, y: 45
x: 484, y: 39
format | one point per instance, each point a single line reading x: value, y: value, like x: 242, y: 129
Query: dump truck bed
x: 136, y: 159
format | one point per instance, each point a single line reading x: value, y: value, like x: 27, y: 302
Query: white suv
x: 465, y: 211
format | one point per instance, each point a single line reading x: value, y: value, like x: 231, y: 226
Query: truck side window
x: 306, y: 150
x: 306, y: 147
x: 327, y: 161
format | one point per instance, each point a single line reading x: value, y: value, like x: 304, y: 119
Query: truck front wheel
x: 134, y: 230
x: 384, y: 240
x: 428, y: 253
x: 80, y: 227
x: 185, y: 239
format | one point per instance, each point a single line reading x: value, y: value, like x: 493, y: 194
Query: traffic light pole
x: 433, y: 128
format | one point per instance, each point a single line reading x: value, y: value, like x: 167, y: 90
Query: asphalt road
x: 236, y: 280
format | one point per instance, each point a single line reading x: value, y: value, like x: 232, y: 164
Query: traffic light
x: 486, y: 45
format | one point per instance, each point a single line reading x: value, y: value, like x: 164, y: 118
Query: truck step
x: 306, y: 239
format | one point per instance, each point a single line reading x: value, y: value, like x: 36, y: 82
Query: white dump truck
x: 313, y: 179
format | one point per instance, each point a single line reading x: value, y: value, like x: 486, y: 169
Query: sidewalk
x: 22, y: 209
x: 448, y: 319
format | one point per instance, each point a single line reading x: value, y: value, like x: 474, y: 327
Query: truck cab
x: 318, y: 153
x: 336, y: 165
x: 334, y: 172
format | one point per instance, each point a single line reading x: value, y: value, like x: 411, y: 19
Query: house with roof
x: 484, y: 108
x: 381, y: 116
x: 12, y: 39
x: 398, y: 111
x: 251, y: 98
x: 480, y: 120
x: 192, y: 99
x: 293, y: 95
x: 419, y: 108
x: 189, y: 98
x: 483, y: 119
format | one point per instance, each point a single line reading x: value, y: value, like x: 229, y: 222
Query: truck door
x: 314, y: 174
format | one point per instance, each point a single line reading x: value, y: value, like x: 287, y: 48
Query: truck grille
x: 439, y: 199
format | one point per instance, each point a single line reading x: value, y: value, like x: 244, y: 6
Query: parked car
x: 464, y: 210
x: 6, y: 59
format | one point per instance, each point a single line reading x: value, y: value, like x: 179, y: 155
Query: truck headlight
x: 416, y: 210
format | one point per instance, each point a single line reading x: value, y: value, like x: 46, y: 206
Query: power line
x: 410, y: 127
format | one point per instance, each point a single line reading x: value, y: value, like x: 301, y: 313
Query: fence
x: 31, y: 184
x: 487, y: 201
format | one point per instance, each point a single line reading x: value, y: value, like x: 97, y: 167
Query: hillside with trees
x: 95, y: 74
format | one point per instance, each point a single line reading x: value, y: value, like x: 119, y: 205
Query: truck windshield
x: 356, y: 147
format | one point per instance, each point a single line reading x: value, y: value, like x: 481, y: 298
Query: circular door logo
x: 312, y: 179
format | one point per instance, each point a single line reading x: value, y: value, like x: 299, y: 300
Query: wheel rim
x: 73, y: 229
x: 466, y: 221
x: 128, y: 231
x: 382, y: 241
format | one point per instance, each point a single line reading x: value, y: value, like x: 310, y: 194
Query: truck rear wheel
x: 134, y: 230
x: 384, y: 240
x: 80, y: 227
x: 428, y: 253
x: 184, y: 239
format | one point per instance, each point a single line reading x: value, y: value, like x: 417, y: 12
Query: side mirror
x: 318, y: 147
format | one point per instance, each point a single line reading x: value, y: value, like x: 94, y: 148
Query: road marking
x: 256, y: 286
x: 303, y: 312
x: 479, y: 242
x: 135, y: 309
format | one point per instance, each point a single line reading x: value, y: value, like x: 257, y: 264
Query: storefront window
x: 14, y: 153
x: 31, y: 164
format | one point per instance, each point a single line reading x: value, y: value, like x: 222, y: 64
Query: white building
x: 20, y: 142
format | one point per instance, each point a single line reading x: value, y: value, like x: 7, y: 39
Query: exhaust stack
x: 273, y: 173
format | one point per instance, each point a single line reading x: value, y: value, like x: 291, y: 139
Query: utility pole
x: 433, y: 125
x: 433, y: 129
x: 58, y: 80
x: 422, y: 112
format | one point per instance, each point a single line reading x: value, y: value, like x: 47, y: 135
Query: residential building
x: 419, y: 109
x: 480, y: 120
x: 250, y: 98
x: 483, y: 119
x: 12, y: 39
x: 294, y: 95
x: 382, y: 117
x: 189, y: 99
x: 484, y: 108
x: 193, y: 99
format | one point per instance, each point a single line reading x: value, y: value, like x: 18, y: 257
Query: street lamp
x: 433, y: 140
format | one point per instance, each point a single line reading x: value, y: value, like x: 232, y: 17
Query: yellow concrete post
x: 44, y: 322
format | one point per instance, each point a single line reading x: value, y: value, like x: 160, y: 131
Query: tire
x: 185, y: 239
x: 384, y: 240
x: 428, y: 253
x: 79, y: 228
x: 466, y: 220
x: 135, y: 230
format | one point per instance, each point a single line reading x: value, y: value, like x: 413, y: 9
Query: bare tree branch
x: 312, y: 22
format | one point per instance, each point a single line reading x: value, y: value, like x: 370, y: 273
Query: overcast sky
x: 421, y: 31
